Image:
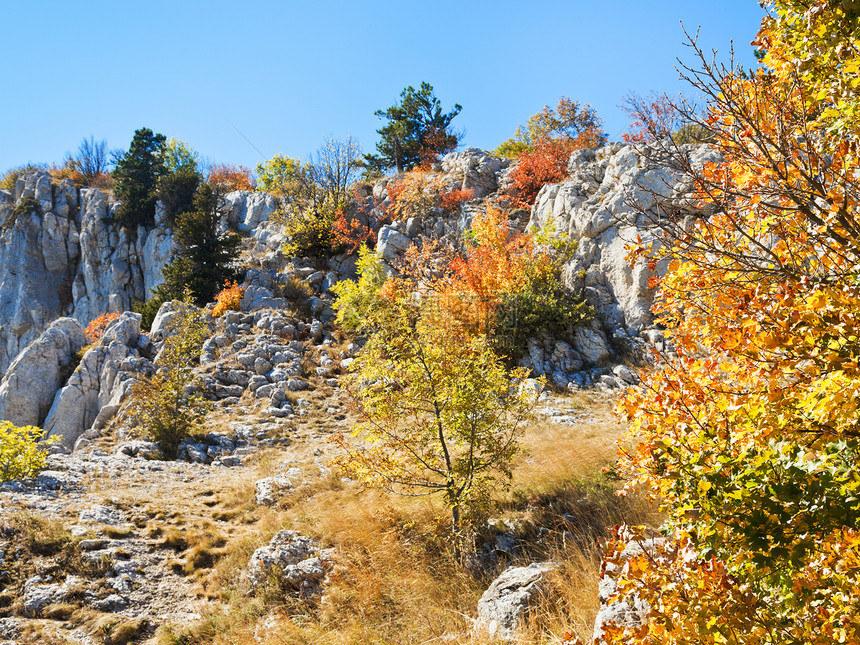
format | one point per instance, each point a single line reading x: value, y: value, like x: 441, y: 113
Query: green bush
x: 161, y: 404
x: 20, y: 454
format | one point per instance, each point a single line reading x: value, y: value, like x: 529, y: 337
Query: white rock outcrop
x: 505, y: 603
x: 29, y: 385
x: 609, y: 200
x: 95, y: 390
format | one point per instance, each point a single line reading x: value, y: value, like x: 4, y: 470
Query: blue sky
x: 289, y: 74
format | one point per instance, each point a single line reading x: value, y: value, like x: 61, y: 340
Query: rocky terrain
x: 272, y: 371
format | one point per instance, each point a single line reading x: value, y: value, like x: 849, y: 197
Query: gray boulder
x: 391, y: 243
x: 32, y: 380
x: 505, y: 603
x: 293, y: 560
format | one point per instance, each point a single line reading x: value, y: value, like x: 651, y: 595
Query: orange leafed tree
x: 230, y: 178
x: 749, y: 432
x: 545, y: 164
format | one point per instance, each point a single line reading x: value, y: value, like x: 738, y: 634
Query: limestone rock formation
x: 61, y: 254
x: 29, y: 385
x: 96, y: 388
x: 609, y: 200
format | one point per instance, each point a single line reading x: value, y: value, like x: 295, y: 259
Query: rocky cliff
x: 61, y: 254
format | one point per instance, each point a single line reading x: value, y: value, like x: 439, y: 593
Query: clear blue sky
x: 289, y: 74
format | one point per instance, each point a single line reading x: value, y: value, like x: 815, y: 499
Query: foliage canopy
x: 749, y: 432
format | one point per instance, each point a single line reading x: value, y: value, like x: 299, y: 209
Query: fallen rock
x: 268, y: 490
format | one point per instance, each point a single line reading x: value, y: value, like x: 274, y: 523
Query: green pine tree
x: 137, y: 174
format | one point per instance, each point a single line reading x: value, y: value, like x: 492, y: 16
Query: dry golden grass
x: 396, y: 578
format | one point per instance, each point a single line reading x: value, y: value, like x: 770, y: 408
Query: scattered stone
x: 102, y: 515
x: 268, y: 490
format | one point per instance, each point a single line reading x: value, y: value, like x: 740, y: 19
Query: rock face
x: 609, y: 200
x: 29, y: 385
x: 504, y: 604
x: 61, y: 254
x: 96, y: 388
x: 473, y: 169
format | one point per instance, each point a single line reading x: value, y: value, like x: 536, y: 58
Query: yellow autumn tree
x: 749, y: 432
x: 439, y: 413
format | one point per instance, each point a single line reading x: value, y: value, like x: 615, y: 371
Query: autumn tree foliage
x: 656, y: 116
x: 436, y: 407
x: 543, y: 147
x: 545, y: 164
x: 229, y: 178
x: 312, y: 194
x: 507, y: 284
x: 570, y: 121
x: 168, y: 405
x: 228, y: 299
x: 20, y: 452
x: 749, y: 433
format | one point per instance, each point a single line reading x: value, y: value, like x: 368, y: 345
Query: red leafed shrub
x: 96, y: 329
x: 228, y: 299
x: 451, y: 200
x: 231, y: 177
x: 546, y: 164
x: 351, y: 234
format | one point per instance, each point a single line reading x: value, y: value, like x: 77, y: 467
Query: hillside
x: 111, y: 544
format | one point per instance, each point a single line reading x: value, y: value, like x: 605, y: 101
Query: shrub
x: 11, y: 177
x: 96, y: 329
x: 310, y: 230
x: 149, y: 308
x: 20, y: 453
x: 570, y: 121
x: 419, y: 192
x: 228, y: 299
x: 545, y: 164
x: 162, y: 404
